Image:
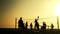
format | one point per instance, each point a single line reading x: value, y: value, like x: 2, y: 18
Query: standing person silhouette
x: 20, y: 24
x: 26, y: 25
x: 31, y: 26
x: 44, y: 26
x: 36, y: 23
x: 52, y: 26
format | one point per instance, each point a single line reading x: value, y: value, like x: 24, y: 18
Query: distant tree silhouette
x: 20, y: 24
x: 31, y: 26
x: 52, y: 26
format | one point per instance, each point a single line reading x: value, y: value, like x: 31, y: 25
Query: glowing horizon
x: 28, y: 9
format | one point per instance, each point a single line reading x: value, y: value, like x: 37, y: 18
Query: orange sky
x: 28, y: 9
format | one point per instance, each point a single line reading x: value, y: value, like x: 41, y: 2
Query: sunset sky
x: 28, y: 9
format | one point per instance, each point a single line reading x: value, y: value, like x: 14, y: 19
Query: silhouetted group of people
x: 21, y: 25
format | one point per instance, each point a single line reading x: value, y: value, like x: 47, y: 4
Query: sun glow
x: 57, y: 9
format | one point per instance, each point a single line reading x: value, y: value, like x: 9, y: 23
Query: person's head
x: 43, y: 22
x: 51, y: 24
x: 20, y: 18
x: 35, y: 19
x: 26, y: 22
x: 30, y: 23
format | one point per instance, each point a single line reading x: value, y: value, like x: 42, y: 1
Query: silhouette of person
x: 21, y: 24
x: 36, y: 24
x: 31, y: 26
x: 44, y: 25
x: 26, y: 24
x: 52, y: 26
